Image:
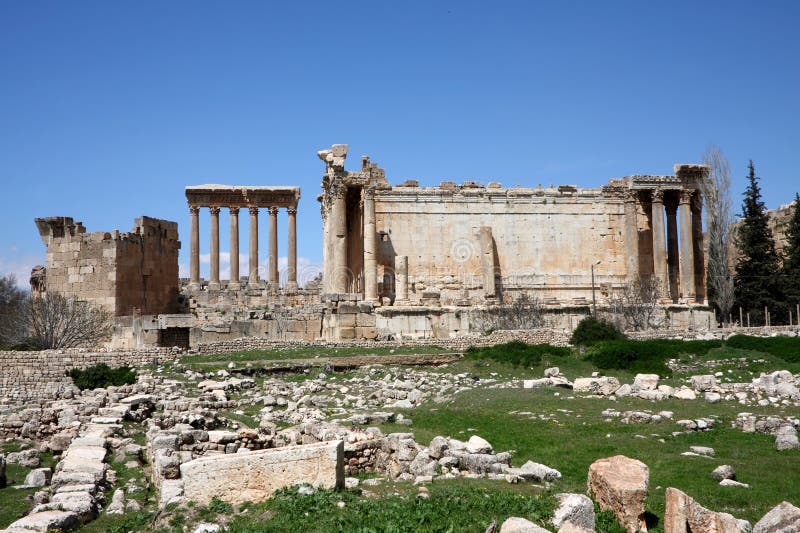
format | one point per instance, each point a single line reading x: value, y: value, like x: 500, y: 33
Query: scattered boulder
x: 786, y: 438
x: 685, y: 393
x: 531, y: 471
x: 38, y: 477
x: 620, y: 484
x: 704, y: 383
x: 684, y: 514
x: 600, y: 385
x: 645, y: 382
x: 723, y: 472
x: 476, y: 444
x: 516, y: 524
x: 783, y: 518
x: 577, y: 509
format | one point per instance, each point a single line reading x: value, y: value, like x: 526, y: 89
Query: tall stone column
x: 213, y: 283
x: 370, y: 248
x: 401, y: 280
x: 660, y: 268
x: 274, y: 284
x: 686, y: 246
x: 194, y: 248
x: 253, y: 279
x: 672, y: 249
x: 291, y: 270
x: 338, y: 234
x: 699, y: 253
x: 631, y: 234
x: 233, y: 282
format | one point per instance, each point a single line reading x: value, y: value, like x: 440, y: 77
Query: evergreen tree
x: 756, y: 283
x: 790, y: 270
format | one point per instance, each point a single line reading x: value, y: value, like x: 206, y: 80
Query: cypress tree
x: 756, y: 282
x: 790, y: 270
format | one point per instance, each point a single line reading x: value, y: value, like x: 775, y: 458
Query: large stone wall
x: 470, y: 244
x: 117, y: 271
x: 27, y: 377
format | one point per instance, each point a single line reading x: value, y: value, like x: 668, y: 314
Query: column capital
x: 631, y: 196
x: 214, y: 210
x: 292, y: 210
x: 253, y: 210
x: 194, y: 209
x: 273, y: 210
x: 686, y: 196
x: 233, y: 210
x: 658, y: 195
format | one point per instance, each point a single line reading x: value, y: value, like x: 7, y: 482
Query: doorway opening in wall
x: 169, y: 337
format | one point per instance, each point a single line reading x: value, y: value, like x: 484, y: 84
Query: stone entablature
x: 234, y: 197
x: 470, y: 244
x: 124, y: 272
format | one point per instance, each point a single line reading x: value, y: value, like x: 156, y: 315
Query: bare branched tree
x: 58, y: 321
x: 716, y: 189
x: 634, y: 306
x: 13, y: 300
x: 523, y: 313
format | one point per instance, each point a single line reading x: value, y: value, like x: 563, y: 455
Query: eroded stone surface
x: 620, y: 484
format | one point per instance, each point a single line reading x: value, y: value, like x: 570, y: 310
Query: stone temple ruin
x: 399, y: 261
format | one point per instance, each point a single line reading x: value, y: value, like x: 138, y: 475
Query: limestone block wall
x: 117, y: 271
x: 543, y: 240
x: 27, y: 377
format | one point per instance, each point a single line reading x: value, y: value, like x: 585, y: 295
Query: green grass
x: 452, y: 506
x: 570, y: 442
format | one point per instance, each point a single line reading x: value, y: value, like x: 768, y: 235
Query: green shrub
x: 787, y: 348
x: 648, y: 356
x: 28, y: 344
x: 590, y: 330
x: 517, y: 353
x: 99, y: 376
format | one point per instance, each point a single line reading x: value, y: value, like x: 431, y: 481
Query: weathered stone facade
x: 125, y: 273
x: 472, y: 245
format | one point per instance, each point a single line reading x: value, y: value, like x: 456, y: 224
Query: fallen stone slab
x: 577, y: 509
x: 255, y: 476
x: 620, y: 484
x: 783, y: 518
x: 684, y: 514
x: 46, y: 521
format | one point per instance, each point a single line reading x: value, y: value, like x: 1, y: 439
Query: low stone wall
x: 27, y: 377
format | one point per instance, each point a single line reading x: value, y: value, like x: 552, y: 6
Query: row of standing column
x: 253, y: 278
x: 671, y: 249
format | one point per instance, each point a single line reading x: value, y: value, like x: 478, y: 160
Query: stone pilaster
x: 253, y: 278
x: 401, y: 280
x: 370, y: 248
x: 213, y: 282
x: 686, y: 247
x: 291, y: 270
x: 660, y: 267
x: 274, y: 284
x: 194, y: 247
x: 233, y: 282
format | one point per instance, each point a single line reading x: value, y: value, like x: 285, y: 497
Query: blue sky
x: 109, y: 109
